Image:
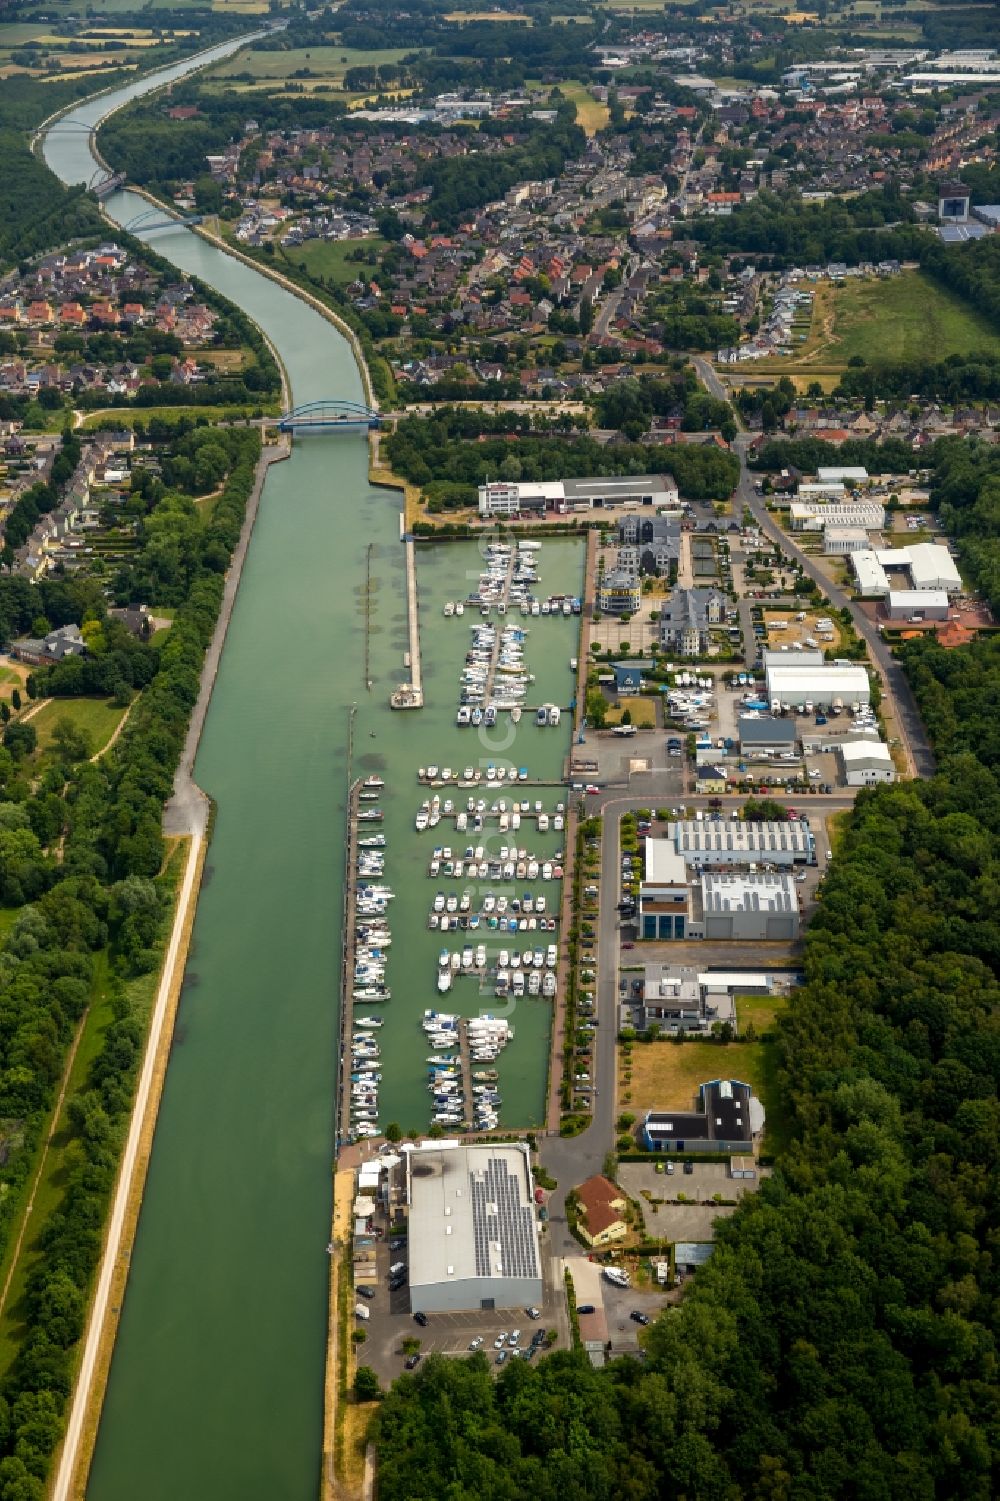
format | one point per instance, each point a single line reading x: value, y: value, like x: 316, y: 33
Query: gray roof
x: 471, y: 1215
x: 766, y: 731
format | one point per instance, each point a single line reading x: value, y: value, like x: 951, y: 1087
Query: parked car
x: 533, y: 1313
x: 585, y: 1308
x: 498, y: 1343
x: 365, y: 1292
x: 412, y: 1362
x: 420, y: 1318
x: 689, y: 1168
x: 638, y: 1316
x: 476, y: 1344
x: 501, y: 1357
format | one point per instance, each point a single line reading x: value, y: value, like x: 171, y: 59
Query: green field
x: 907, y: 317
x: 329, y: 258
x: 327, y: 63
x: 97, y: 717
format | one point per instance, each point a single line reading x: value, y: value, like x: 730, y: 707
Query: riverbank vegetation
x: 82, y: 853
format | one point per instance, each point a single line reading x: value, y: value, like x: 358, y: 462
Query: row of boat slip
x: 472, y: 922
x: 439, y: 776
x: 509, y: 865
x: 480, y: 958
x: 372, y: 935
x: 461, y: 903
x: 508, y: 815
x: 555, y: 604
x: 365, y: 1079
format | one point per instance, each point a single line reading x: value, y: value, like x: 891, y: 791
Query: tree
x: 393, y: 1132
x: 15, y: 699
x: 367, y: 1387
x: 72, y: 742
x: 20, y: 739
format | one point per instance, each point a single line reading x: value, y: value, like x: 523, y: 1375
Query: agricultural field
x: 591, y: 114
x: 330, y: 258
x: 324, y: 64
x: 63, y: 53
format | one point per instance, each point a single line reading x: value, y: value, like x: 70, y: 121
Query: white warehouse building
x: 473, y: 1237
x: 866, y: 764
x: 927, y: 565
x: 821, y: 684
x: 739, y: 843
x: 814, y: 516
x: 929, y: 604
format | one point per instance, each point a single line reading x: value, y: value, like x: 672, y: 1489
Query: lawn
x: 759, y: 1011
x: 329, y: 63
x: 666, y: 1075
x: 642, y: 710
x: 330, y: 258
x: 907, y: 317
x: 97, y: 717
x: 129, y: 416
x: 591, y: 114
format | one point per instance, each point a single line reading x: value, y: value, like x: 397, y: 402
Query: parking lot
x: 390, y: 1322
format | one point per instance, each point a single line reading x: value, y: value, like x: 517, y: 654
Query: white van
x: 361, y: 1311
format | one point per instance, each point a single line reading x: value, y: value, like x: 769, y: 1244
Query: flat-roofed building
x: 929, y: 604
x: 755, y: 906
x: 619, y: 490
x: 736, y: 843
x: 814, y: 516
x: 841, y: 541
x: 924, y: 565
x: 472, y: 1235
x: 819, y: 685
x: 933, y: 567
x: 663, y: 894
x: 727, y: 1118
x: 765, y: 733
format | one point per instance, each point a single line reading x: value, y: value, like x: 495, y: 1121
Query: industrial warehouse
x: 727, y: 1118
x: 523, y: 498
x: 738, y: 843
x: 925, y: 566
x: 473, y: 1240
x: 751, y: 905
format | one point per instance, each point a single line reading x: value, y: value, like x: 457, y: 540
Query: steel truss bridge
x: 329, y: 415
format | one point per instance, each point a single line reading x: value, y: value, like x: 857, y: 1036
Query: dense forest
x: 82, y: 844
x: 793, y: 233
x: 465, y: 448
x: 841, y: 1343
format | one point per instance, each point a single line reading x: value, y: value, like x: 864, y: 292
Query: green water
x: 216, y: 1382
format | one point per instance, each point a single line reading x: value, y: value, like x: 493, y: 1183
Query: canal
x: 217, y: 1376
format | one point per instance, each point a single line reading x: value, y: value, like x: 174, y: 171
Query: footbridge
x: 330, y: 415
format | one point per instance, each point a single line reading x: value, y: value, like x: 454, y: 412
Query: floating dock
x: 347, y: 969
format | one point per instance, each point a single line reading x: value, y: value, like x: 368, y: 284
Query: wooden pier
x: 465, y: 1059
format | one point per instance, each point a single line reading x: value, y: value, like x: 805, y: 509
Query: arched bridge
x: 155, y: 218
x: 329, y: 415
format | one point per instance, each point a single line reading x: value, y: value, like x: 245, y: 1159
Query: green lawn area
x: 908, y: 317
x: 129, y: 416
x: 642, y: 710
x: 330, y: 63
x: 760, y: 1011
x: 97, y: 717
x: 330, y: 258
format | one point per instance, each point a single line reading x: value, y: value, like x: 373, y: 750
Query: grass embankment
x: 128, y: 416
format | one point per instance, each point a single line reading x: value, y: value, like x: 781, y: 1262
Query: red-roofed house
x: 602, y: 1211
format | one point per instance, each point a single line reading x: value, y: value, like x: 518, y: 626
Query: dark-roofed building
x: 726, y: 1119
x: 766, y: 733
x: 44, y: 652
x: 686, y: 618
